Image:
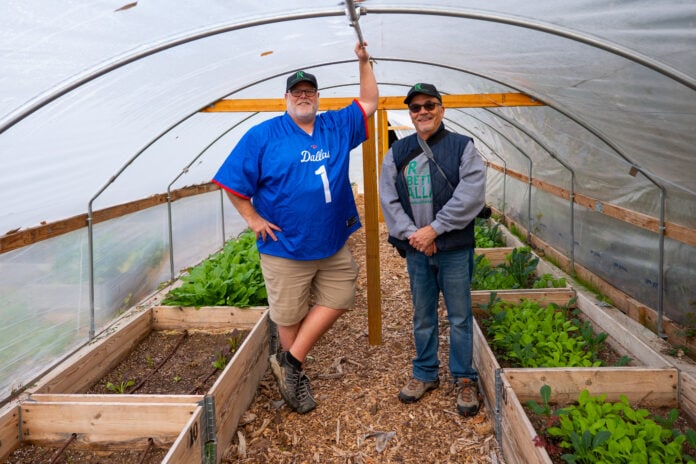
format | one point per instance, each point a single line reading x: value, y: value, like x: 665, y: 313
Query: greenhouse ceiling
x: 102, y: 91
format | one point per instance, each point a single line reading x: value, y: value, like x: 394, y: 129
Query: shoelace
x: 304, y: 391
x: 466, y: 390
x: 292, y: 375
x: 413, y: 384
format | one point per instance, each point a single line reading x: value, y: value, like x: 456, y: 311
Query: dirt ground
x: 359, y: 418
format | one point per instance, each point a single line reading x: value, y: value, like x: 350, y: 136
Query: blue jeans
x: 449, y: 272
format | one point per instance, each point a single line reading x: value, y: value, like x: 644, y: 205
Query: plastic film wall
x: 100, y: 106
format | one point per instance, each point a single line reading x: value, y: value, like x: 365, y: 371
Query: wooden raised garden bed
x: 655, y: 388
x: 189, y: 425
x: 654, y: 379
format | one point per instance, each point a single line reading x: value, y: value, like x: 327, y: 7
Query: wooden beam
x: 485, y: 100
x: 235, y: 389
x: 9, y: 430
x: 496, y: 255
x: 647, y: 385
x: 189, y: 444
x: 20, y: 238
x: 108, y: 424
x: 276, y: 105
x: 205, y: 318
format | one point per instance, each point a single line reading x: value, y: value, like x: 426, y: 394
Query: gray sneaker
x: 287, y: 377
x: 415, y: 389
x: 305, y: 399
x: 467, y: 397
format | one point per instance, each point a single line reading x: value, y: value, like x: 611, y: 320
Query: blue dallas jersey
x: 299, y: 182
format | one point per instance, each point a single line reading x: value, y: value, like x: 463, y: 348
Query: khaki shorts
x: 290, y: 284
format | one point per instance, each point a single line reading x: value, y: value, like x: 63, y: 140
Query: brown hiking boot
x: 415, y: 389
x: 467, y: 397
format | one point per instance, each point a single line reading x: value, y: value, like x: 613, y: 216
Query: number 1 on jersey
x: 324, y: 180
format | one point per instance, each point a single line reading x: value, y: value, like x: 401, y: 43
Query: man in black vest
x: 432, y: 187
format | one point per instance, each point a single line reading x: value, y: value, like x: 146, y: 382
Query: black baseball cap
x: 426, y: 89
x: 300, y: 76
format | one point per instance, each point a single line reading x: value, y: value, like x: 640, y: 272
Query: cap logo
x: 299, y: 75
x: 417, y: 87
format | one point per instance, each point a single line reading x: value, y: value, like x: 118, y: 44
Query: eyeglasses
x: 429, y: 106
x: 299, y: 92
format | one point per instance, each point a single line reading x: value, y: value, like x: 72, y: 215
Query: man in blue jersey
x: 432, y: 187
x: 288, y: 178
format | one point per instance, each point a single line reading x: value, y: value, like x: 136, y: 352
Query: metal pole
x: 531, y: 165
x: 353, y: 13
x: 184, y: 171
x: 536, y: 139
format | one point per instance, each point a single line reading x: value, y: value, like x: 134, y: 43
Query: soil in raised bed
x: 187, y: 358
x: 31, y: 454
x: 166, y: 362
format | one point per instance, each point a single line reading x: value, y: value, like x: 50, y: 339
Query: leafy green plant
x: 549, y: 281
x: 518, y: 271
x: 521, y: 265
x: 487, y: 277
x: 231, y: 277
x: 486, y: 236
x: 121, y: 387
x: 594, y: 430
x: 531, y: 335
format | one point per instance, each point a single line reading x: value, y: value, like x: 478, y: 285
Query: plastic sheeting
x: 91, y: 90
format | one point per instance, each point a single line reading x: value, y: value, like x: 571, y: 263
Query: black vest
x: 447, y: 148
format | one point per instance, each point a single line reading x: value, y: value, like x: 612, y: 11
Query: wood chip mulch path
x: 359, y: 418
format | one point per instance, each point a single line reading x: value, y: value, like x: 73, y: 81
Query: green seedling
x: 220, y: 362
x: 235, y: 340
x: 121, y: 387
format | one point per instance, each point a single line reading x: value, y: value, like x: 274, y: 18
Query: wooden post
x: 374, y: 299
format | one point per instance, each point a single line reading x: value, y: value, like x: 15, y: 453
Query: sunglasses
x: 429, y: 106
x: 308, y: 92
